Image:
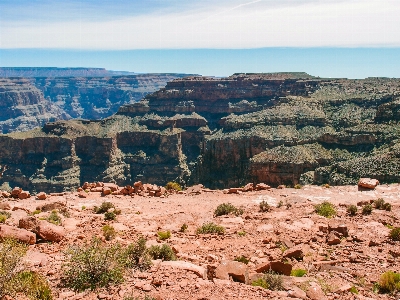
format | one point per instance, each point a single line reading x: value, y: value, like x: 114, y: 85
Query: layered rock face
x: 31, y: 102
x: 280, y: 128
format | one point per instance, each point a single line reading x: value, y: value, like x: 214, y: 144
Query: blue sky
x: 330, y: 38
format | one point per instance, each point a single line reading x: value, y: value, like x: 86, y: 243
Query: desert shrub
x: 11, y: 254
x: 260, y: 282
x: 395, y: 234
x: 387, y: 206
x: 92, y: 265
x: 110, y: 216
x: 109, y: 232
x: 352, y: 210
x: 326, y: 185
x: 379, y: 203
x: 83, y: 207
x: 298, y: 272
x: 163, y: 252
x: 297, y: 186
x: 164, y: 235
x: 104, y: 207
x: 4, y: 215
x: 34, y: 285
x: 184, y: 227
x: 36, y: 212
x: 325, y: 209
x: 210, y: 228
x: 173, y: 186
x: 147, y: 297
x: 367, y: 209
x: 226, y: 209
x: 264, y: 206
x: 389, y: 282
x: 280, y: 204
x: 242, y: 259
x: 54, y: 218
x: 136, y: 255
x: 274, y: 281
x: 241, y: 233
x: 353, y: 290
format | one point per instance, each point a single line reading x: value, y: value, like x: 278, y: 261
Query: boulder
x: 5, y: 206
x: 15, y: 192
x: 368, y: 183
x: 200, y: 271
x: 315, y: 292
x: 24, y: 195
x: 296, y: 252
x: 196, y: 189
x: 332, y: 239
x: 41, y: 196
x: 262, y: 186
x: 29, y: 223
x: 342, y: 229
x: 82, y: 194
x: 50, y: 232
x: 51, y: 206
x: 234, y: 269
x: 21, y: 235
x: 276, y: 266
x: 106, y: 191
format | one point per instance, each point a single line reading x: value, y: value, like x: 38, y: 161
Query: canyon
x: 277, y: 128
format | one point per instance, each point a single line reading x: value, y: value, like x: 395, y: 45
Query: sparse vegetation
x: 183, y: 228
x: 136, y: 255
x: 210, y: 228
x: 280, y: 204
x: 146, y: 297
x: 379, y: 203
x: 110, y: 216
x: 109, y: 232
x: 226, y: 209
x: 325, y: 209
x: 297, y: 186
x: 54, y: 218
x: 260, y: 282
x: 367, y: 209
x: 83, y: 207
x: 352, y: 210
x: 326, y: 185
x: 163, y: 252
x: 92, y: 266
x: 173, y: 186
x: 241, y: 233
x: 164, y: 235
x: 4, y: 215
x: 389, y: 282
x: 353, y: 290
x: 104, y: 207
x: 387, y: 206
x: 36, y: 212
x: 298, y: 272
x: 34, y: 285
x: 395, y: 234
x: 242, y: 259
x: 274, y: 281
x: 264, y: 206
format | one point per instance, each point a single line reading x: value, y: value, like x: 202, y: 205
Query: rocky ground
x: 344, y: 256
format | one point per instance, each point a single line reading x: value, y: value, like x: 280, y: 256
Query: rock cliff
x: 281, y: 128
x: 31, y: 102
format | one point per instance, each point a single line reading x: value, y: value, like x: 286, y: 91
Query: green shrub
x: 395, y: 234
x: 264, y: 206
x: 136, y: 255
x: 297, y: 186
x: 109, y: 232
x: 34, y: 286
x: 298, y: 272
x: 210, y: 228
x: 367, y: 209
x: 54, y: 218
x: 164, y: 235
x: 353, y: 290
x: 104, y: 207
x: 325, y: 209
x: 389, y: 282
x: 36, y: 212
x: 226, y: 209
x: 352, y: 210
x: 110, y: 216
x: 280, y: 204
x: 242, y: 259
x: 184, y: 227
x: 173, y: 186
x: 11, y: 254
x: 241, y: 233
x: 92, y: 266
x: 147, y: 297
x: 83, y: 207
x: 260, y: 282
x: 273, y: 280
x: 387, y: 206
x: 163, y: 252
x: 379, y: 203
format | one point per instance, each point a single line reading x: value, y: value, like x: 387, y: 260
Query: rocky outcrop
x: 280, y: 128
x: 27, y: 103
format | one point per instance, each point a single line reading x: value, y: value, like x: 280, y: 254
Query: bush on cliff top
x: 325, y: 209
x: 226, y: 209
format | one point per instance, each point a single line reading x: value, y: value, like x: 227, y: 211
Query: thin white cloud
x: 235, y: 24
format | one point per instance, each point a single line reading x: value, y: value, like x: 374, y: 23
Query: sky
x: 329, y: 38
